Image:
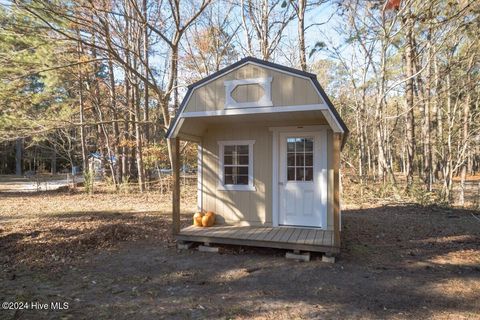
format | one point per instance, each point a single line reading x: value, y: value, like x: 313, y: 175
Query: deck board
x: 294, y: 238
x: 268, y: 235
x: 287, y: 233
x: 319, y: 238
x: 257, y: 232
x: 278, y: 236
x: 303, y: 235
x: 295, y: 235
x: 247, y: 233
x: 310, y: 237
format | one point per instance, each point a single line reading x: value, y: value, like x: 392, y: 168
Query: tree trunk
x: 18, y: 156
x: 138, y: 138
x: 53, y: 161
x: 146, y: 67
x: 465, y: 140
x: 301, y: 34
x: 265, y: 31
x: 410, y: 121
x: 116, y: 134
x: 85, y: 167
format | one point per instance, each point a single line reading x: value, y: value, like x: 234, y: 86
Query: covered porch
x: 267, y: 233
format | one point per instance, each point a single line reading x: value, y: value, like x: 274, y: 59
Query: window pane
x: 309, y: 159
x: 291, y: 174
x: 309, y: 174
x: 242, y: 149
x: 242, y: 179
x: 299, y: 160
x: 290, y: 144
x: 299, y: 172
x: 228, y: 179
x: 243, y: 170
x: 228, y: 160
x: 229, y: 150
x: 236, y: 161
x: 308, y: 144
x: 299, y: 145
x: 243, y: 160
x: 291, y: 159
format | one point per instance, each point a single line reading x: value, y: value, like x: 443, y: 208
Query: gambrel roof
x: 338, y: 123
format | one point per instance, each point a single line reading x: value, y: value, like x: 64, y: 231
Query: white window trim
x: 264, y: 101
x: 233, y: 187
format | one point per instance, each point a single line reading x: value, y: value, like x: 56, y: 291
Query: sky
x: 313, y: 35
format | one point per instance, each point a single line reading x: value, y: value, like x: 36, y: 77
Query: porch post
x: 175, y: 148
x: 337, y: 140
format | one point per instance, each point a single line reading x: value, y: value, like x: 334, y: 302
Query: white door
x: 303, y: 179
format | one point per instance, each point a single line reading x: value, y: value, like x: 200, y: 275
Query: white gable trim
x: 264, y: 101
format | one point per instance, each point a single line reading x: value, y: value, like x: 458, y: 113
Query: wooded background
x: 106, y: 76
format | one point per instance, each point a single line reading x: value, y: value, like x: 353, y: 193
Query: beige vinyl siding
x: 246, y: 207
x: 247, y: 93
x: 249, y: 207
x: 287, y: 90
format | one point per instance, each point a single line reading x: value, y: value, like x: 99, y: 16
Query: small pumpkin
x: 197, y: 219
x: 212, y: 215
x: 208, y: 221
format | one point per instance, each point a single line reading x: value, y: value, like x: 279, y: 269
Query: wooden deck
x: 305, y: 239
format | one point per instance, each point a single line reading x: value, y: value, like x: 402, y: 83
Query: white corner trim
x: 199, y: 177
x: 324, y: 176
x: 221, y: 185
x: 264, y: 101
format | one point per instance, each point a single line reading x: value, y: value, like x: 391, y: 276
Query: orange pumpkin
x: 197, y: 219
x: 208, y: 221
x: 211, y: 214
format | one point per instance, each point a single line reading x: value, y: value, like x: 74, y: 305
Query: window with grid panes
x: 236, y: 164
x: 299, y: 159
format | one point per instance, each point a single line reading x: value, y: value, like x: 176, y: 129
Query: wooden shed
x: 269, y: 143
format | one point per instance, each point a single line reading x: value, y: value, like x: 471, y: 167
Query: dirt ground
x: 112, y: 257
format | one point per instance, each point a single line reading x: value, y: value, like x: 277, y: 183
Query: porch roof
x: 193, y: 128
